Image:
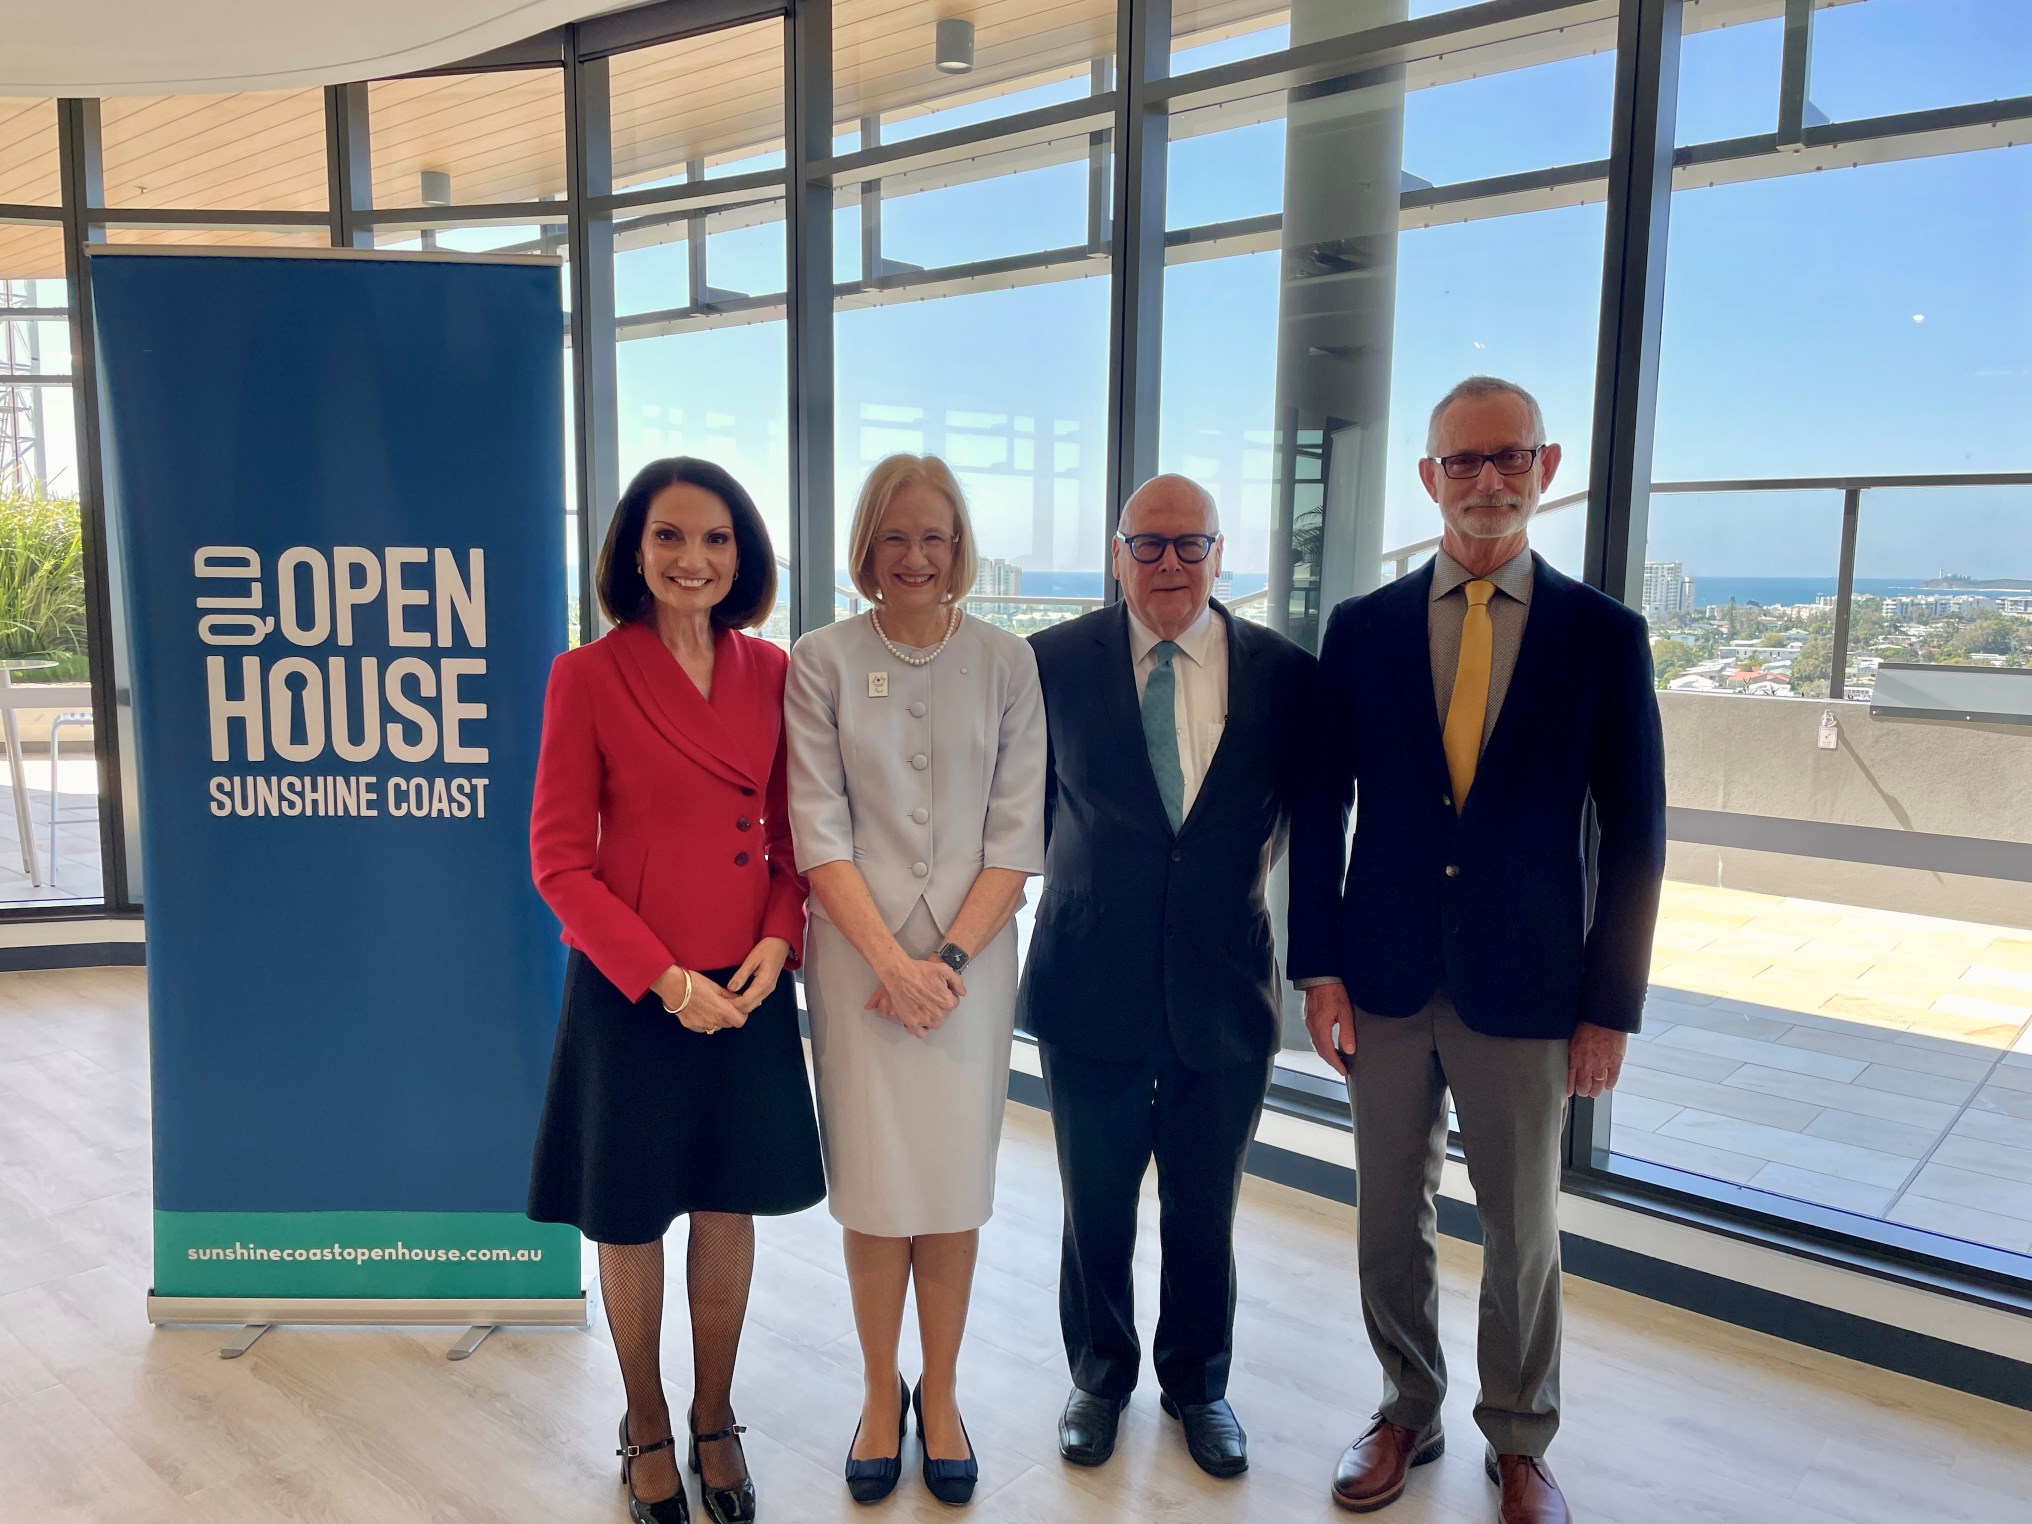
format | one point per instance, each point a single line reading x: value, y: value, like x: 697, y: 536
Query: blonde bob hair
x: 888, y: 478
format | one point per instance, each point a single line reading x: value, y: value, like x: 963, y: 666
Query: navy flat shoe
x: 950, y: 1481
x: 870, y: 1481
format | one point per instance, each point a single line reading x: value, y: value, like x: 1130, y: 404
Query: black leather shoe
x: 870, y: 1481
x: 1086, y: 1429
x: 723, y: 1505
x: 1213, y: 1435
x: 670, y: 1510
x: 950, y: 1481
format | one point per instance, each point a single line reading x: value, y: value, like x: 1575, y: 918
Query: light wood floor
x: 1670, y: 1417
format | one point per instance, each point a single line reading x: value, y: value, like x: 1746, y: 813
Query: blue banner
x: 337, y: 483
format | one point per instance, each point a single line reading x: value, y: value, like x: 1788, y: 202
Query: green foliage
x: 1813, y: 666
x: 1986, y: 637
x: 1669, y: 658
x: 42, y: 583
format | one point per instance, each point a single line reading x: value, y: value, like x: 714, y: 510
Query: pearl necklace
x: 951, y: 625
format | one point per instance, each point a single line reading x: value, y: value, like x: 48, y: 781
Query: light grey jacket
x: 922, y: 787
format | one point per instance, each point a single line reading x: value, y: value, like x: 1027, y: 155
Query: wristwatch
x: 953, y: 957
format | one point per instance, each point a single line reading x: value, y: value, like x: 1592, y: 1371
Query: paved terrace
x: 1862, y: 1059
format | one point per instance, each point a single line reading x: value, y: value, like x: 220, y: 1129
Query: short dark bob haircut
x: 623, y: 593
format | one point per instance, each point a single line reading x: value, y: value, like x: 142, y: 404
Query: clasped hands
x: 1594, y: 1055
x: 712, y: 1006
x: 917, y: 993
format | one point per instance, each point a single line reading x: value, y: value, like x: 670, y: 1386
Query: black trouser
x: 1110, y: 1119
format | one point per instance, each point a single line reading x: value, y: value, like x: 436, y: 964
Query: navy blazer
x: 1140, y: 931
x: 1492, y: 903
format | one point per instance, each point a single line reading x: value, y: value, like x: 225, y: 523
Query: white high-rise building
x: 1667, y: 588
x: 999, y: 579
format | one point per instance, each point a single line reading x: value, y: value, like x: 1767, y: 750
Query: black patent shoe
x: 870, y: 1481
x: 1212, y: 1434
x: 670, y: 1510
x: 950, y: 1481
x: 723, y: 1505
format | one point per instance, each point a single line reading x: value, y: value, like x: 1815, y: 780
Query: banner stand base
x: 480, y: 1317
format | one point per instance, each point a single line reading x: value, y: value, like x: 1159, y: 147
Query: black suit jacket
x: 1493, y: 902
x: 1139, y: 931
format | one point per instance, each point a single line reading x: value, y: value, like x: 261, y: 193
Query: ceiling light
x: 955, y: 47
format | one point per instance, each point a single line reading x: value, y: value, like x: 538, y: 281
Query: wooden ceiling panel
x: 29, y: 172
x: 718, y: 98
x: 259, y: 152
x: 31, y: 252
x: 883, y: 61
x: 499, y: 136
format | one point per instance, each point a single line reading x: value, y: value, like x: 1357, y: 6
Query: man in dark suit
x: 1482, y: 707
x: 1151, y: 984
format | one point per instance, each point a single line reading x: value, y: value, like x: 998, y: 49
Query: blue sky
x: 1874, y: 319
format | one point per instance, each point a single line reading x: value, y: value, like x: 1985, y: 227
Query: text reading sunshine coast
x: 310, y: 697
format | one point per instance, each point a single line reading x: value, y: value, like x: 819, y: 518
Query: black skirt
x: 646, y: 1120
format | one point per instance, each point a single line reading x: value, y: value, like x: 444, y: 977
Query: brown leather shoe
x: 1530, y: 1495
x: 1376, y: 1466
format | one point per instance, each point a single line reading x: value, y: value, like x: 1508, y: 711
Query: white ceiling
x: 156, y: 47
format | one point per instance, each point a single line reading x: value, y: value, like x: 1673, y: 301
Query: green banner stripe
x: 363, y: 1254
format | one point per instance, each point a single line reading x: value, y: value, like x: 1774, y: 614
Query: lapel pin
x: 878, y: 685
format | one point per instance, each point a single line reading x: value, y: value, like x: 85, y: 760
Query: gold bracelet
x: 678, y: 1010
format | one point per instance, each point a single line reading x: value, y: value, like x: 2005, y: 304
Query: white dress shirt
x: 1201, y: 666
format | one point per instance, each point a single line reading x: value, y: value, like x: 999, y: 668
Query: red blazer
x: 660, y: 831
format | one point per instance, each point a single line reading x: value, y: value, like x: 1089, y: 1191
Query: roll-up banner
x: 337, y: 483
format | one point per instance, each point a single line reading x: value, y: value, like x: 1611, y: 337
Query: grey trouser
x: 1510, y: 1095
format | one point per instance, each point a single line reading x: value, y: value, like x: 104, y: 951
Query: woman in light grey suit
x: 917, y: 762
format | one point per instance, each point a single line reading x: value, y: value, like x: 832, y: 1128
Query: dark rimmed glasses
x: 1466, y: 466
x: 1149, y: 549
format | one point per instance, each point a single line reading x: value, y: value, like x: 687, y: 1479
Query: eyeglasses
x: 1468, y: 465
x: 1149, y: 548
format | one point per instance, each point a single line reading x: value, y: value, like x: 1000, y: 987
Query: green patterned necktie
x: 1160, y: 731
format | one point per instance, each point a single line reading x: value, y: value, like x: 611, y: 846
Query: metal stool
x: 71, y: 717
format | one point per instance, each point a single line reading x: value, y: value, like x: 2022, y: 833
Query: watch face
x: 953, y: 957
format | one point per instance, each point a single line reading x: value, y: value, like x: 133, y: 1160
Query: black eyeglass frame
x: 1529, y: 452
x: 1166, y: 542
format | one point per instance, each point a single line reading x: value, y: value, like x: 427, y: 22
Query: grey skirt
x: 911, y: 1126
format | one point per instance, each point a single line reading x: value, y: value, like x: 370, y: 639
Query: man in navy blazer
x: 1151, y: 984
x: 1495, y: 725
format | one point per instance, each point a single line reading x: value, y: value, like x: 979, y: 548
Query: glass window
x: 698, y: 108
x: 1206, y: 33
x: 890, y: 76
x: 1825, y: 1026
x: 467, y: 139
x: 710, y: 378
x: 990, y: 207
x: 1877, y: 57
x: 1943, y: 574
x: 1301, y: 359
x: 35, y: 332
x: 1027, y: 435
x: 30, y: 173
x: 1554, y: 112
x: 263, y: 151
x: 1728, y: 77
x: 49, y: 839
x: 1869, y: 319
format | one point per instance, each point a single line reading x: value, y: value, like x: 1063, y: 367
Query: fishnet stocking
x: 719, y: 1263
x: 631, y: 1287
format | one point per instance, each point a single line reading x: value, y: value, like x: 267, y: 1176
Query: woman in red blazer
x: 660, y: 836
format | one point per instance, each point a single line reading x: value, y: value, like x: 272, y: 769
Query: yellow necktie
x: 1469, y: 706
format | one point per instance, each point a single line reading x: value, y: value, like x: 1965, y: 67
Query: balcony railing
x: 1398, y: 561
